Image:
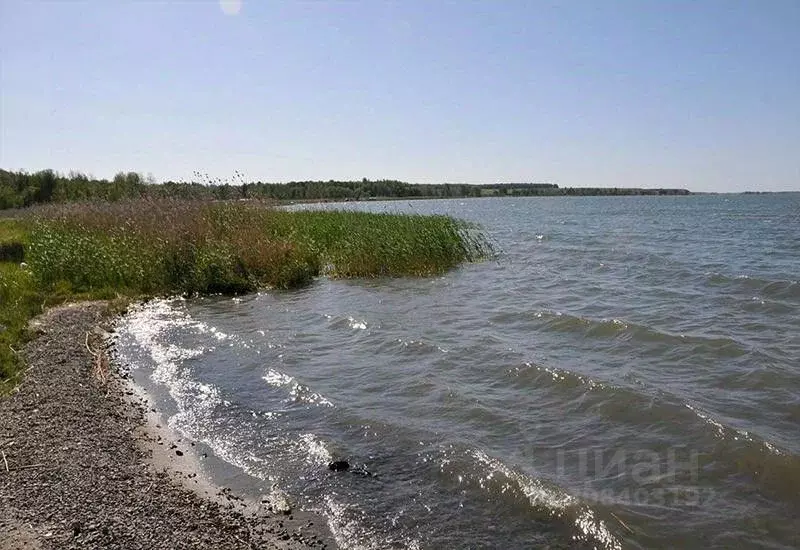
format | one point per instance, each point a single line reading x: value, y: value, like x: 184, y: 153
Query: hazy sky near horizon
x: 703, y: 95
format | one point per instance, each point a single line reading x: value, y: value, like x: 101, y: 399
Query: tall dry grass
x: 171, y: 246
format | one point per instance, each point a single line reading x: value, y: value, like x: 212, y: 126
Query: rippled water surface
x: 624, y: 374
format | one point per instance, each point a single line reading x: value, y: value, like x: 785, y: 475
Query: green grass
x: 13, y: 230
x: 19, y: 301
x: 13, y: 239
x: 146, y: 248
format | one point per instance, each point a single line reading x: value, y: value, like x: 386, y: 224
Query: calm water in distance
x: 624, y: 374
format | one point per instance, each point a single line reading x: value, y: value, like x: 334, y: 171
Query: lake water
x: 624, y: 374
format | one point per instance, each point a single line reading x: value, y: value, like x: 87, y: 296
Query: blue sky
x: 702, y: 95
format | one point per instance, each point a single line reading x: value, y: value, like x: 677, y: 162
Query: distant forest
x: 21, y: 189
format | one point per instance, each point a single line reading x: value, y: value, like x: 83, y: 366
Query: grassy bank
x: 146, y: 248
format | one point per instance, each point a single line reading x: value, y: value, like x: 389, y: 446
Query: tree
x: 47, y: 185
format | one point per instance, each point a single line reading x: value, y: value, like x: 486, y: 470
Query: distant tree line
x: 20, y: 189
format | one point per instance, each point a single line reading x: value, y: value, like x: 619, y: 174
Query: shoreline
x: 88, y: 463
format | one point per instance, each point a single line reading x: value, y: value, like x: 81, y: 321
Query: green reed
x: 194, y: 247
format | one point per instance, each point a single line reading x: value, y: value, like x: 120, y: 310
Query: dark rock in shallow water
x: 344, y: 466
x: 339, y: 466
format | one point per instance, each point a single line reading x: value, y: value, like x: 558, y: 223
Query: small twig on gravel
x: 29, y: 466
x: 100, y: 369
x: 90, y: 350
x: 15, y: 352
x: 4, y: 460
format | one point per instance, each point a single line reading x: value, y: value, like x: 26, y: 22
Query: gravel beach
x: 83, y: 465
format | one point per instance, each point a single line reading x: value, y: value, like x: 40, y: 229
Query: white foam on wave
x: 773, y: 449
x: 277, y: 379
x: 548, y: 313
x: 720, y: 429
x: 203, y: 328
x: 348, y: 525
x: 559, y: 375
x: 416, y: 344
x: 316, y: 450
x: 297, y: 391
x: 356, y: 324
x: 724, y: 432
x: 229, y: 445
x: 550, y: 498
x: 149, y: 326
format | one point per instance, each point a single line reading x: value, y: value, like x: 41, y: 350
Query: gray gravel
x: 73, y: 476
